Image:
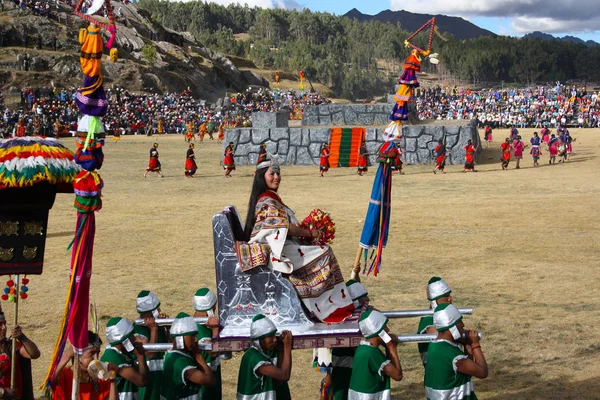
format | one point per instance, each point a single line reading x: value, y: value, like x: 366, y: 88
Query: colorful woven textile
x: 345, y: 146
x: 252, y: 255
x: 26, y: 161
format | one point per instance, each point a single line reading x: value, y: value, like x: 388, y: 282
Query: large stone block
x: 245, y: 135
x: 290, y: 159
x: 310, y: 120
x: 373, y: 160
x: 302, y: 157
x: 277, y: 119
x: 379, y: 135
x: 314, y: 149
x: 383, y: 118
x: 295, y: 136
x: 311, y: 111
x: 246, y: 149
x: 241, y: 160
x: 277, y: 134
x: 350, y: 116
x: 337, y: 118
x: 365, y: 119
x: 436, y: 132
x: 373, y: 148
x: 452, y: 142
x: 452, y: 129
x: 306, y: 137
x: 424, y: 156
x: 320, y: 135
x: 231, y: 135
x: 371, y: 134
x: 325, y: 119
x: 323, y: 109
x: 271, y: 147
x: 260, y: 135
x: 412, y: 131
x: 410, y: 144
x: 411, y: 158
x: 252, y: 157
x: 333, y: 108
x: 283, y: 146
x: 423, y: 140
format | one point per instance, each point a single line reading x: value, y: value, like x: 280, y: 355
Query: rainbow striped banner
x: 345, y: 146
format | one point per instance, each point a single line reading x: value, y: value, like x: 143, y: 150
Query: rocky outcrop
x: 181, y: 62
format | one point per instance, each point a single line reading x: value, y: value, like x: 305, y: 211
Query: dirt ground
x: 519, y: 246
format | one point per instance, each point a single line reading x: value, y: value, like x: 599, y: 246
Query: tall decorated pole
x: 32, y: 171
x: 88, y: 184
x: 377, y: 222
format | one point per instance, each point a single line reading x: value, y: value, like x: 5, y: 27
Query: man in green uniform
x: 205, y: 303
x: 449, y: 369
x: 184, y: 369
x: 128, y: 356
x: 148, y: 306
x: 336, y: 384
x: 260, y: 372
x: 371, y: 369
x: 438, y: 292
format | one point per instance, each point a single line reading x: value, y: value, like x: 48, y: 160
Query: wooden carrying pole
x: 76, y: 375
x: 13, y: 360
x: 356, y: 267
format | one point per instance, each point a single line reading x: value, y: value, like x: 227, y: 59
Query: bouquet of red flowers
x: 320, y: 221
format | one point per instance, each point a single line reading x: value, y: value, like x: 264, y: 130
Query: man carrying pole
x: 148, y: 306
x: 185, y: 371
x: 133, y: 373
x: 449, y: 369
x: 438, y: 292
x: 205, y: 303
x: 12, y: 351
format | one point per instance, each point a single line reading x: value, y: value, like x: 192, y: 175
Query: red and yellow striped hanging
x: 345, y: 146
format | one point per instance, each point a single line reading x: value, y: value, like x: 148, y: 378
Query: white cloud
x: 549, y: 25
x: 528, y: 15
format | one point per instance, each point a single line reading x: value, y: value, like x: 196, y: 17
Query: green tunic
x: 282, y: 389
x: 127, y: 390
x: 213, y: 393
x: 251, y: 384
x: 442, y: 379
x: 155, y: 367
x: 174, y: 385
x: 368, y: 381
x: 341, y: 372
x: 424, y: 323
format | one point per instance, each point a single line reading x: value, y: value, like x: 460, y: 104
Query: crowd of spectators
x: 535, y: 107
x: 52, y: 111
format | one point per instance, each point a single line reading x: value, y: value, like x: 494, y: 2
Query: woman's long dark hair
x: 258, y: 187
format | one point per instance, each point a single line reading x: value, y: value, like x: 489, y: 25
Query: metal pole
x: 389, y: 314
x: 416, y: 338
x: 169, y: 321
x: 419, y: 313
x: 13, y: 361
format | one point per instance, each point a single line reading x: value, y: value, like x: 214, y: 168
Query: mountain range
x: 572, y: 39
x: 459, y: 27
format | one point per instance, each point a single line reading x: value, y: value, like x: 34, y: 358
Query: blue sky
x: 504, y: 17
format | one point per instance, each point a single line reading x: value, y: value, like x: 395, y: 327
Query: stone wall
x: 347, y: 115
x: 301, y: 146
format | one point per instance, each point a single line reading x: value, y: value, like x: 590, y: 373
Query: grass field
x: 520, y: 246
